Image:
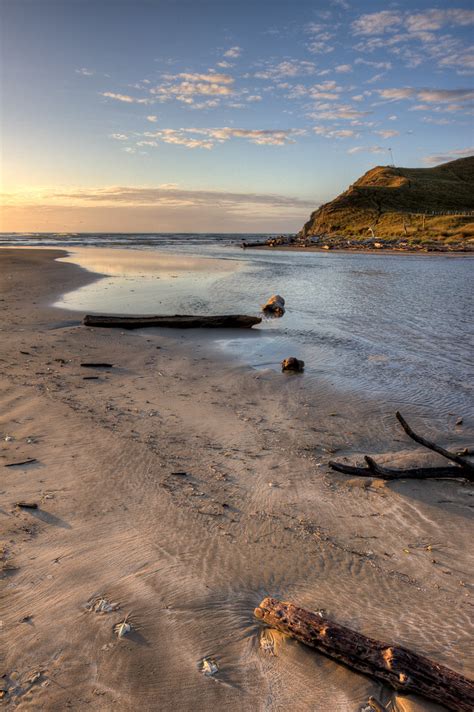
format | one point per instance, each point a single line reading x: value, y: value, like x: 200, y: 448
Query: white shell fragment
x: 101, y: 605
x: 122, y: 629
x: 209, y: 666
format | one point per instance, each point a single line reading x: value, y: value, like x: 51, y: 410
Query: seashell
x: 209, y: 666
x: 122, y: 629
x: 101, y: 605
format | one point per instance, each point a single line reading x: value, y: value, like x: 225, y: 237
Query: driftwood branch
x: 463, y: 469
x: 396, y: 666
x: 179, y: 321
x: 432, y: 446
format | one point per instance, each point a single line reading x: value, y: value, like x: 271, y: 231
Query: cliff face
x: 389, y: 201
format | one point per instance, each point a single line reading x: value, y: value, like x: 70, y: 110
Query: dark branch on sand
x: 464, y: 469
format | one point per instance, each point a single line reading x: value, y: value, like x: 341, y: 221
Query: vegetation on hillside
x: 419, y: 207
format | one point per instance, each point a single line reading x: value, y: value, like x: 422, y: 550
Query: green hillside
x: 419, y: 206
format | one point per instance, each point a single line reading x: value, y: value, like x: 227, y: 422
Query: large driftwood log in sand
x: 236, y: 321
x: 398, y: 667
x: 463, y: 469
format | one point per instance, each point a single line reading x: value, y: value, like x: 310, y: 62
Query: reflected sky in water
x: 397, y: 327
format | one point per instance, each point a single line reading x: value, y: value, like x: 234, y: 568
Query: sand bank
x: 188, y: 556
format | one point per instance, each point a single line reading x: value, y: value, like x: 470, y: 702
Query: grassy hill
x: 417, y: 206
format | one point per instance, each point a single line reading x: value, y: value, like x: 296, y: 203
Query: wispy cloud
x: 387, y: 133
x: 328, y: 132
x: 185, y: 86
x: 321, y: 36
x: 208, y: 138
x: 85, y: 72
x: 343, y: 68
x: 367, y: 149
x: 152, y: 118
x: 415, y: 37
x: 233, y: 52
x: 374, y: 64
x: 125, y: 98
x: 449, y: 155
x: 427, y: 95
x: 286, y: 68
x: 164, y: 196
x: 344, y: 112
x: 377, y: 23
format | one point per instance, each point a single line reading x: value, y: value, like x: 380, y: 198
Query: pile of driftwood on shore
x: 462, y: 470
x: 179, y: 321
x: 394, y: 665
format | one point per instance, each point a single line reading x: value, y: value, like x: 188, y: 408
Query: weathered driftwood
x: 179, y: 321
x: 463, y: 469
x: 432, y: 446
x: 396, y: 666
x: 96, y: 365
x: 29, y: 461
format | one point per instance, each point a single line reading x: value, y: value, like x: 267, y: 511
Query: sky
x: 220, y: 115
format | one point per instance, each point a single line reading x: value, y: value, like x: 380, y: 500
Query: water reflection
x: 396, y: 327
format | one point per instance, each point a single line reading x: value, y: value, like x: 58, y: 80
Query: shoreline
x: 190, y: 555
x: 363, y: 251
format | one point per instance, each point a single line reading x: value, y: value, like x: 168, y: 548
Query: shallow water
x: 396, y: 327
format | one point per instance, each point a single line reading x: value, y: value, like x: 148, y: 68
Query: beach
x: 182, y: 486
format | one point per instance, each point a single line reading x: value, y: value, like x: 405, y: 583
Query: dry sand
x: 188, y: 557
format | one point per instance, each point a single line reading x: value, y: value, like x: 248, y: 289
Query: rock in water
x: 292, y: 364
x: 275, y: 306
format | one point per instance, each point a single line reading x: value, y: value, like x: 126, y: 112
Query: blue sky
x: 174, y: 115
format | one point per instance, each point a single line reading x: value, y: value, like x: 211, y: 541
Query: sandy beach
x: 182, y: 487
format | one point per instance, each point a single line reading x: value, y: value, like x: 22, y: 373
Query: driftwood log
x: 398, y: 667
x: 179, y: 321
x: 463, y: 468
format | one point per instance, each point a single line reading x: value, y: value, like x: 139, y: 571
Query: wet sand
x: 188, y: 556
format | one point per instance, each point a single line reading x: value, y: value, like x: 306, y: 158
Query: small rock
x: 275, y: 306
x: 292, y: 364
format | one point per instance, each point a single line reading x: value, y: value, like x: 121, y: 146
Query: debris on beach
x: 122, y: 629
x: 29, y: 461
x: 97, y: 365
x: 268, y: 641
x: 396, y: 666
x: 209, y: 666
x: 275, y: 306
x: 373, y: 705
x: 100, y: 604
x: 178, y: 321
x: 463, y: 469
x: 27, y: 505
x: 292, y: 364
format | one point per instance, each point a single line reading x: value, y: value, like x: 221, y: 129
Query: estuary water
x: 395, y: 327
